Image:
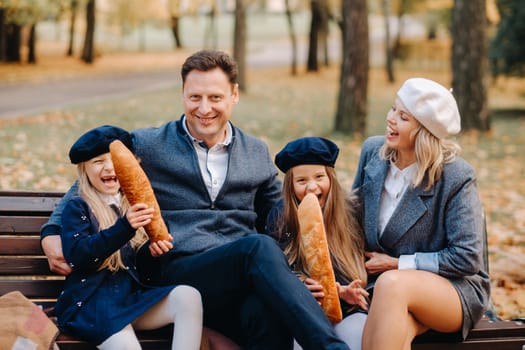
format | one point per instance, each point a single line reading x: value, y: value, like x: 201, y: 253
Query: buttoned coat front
x: 96, y: 303
x: 442, y: 226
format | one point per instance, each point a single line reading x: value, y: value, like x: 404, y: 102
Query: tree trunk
x: 400, y: 28
x: 3, y: 36
x: 389, y: 64
x: 175, y: 31
x: 293, y: 38
x: 470, y: 63
x: 239, y: 42
x: 72, y: 22
x: 324, y: 30
x: 315, y: 25
x: 210, y: 34
x: 353, y: 89
x: 88, y: 53
x: 31, y: 43
x: 13, y: 42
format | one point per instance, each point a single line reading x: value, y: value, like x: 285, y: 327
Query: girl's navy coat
x: 442, y: 226
x: 96, y: 304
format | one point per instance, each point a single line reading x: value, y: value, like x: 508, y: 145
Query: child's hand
x: 160, y: 247
x: 354, y: 294
x: 315, y: 288
x: 139, y: 215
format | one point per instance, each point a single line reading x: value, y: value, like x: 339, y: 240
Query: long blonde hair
x: 431, y: 155
x: 344, y: 234
x: 105, y: 216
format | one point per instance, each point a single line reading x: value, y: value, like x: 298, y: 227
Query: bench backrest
x: 23, y: 266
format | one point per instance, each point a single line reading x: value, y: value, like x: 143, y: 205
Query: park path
x: 26, y: 98
x: 30, y: 98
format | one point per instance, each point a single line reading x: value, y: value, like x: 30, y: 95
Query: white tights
x: 349, y: 330
x: 182, y: 307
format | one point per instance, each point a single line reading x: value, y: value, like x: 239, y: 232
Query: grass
x: 278, y: 109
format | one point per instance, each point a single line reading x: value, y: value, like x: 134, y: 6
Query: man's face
x: 208, y: 100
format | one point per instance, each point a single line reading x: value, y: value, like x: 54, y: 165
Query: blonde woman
x: 103, y: 300
x: 308, y: 164
x: 422, y: 220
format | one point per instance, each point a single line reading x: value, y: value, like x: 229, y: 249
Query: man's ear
x: 235, y: 93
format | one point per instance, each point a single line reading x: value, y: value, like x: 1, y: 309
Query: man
x: 215, y: 185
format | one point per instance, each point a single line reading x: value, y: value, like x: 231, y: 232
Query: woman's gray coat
x: 442, y: 226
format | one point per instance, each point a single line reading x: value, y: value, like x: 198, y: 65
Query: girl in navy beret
x: 308, y: 164
x: 103, y: 300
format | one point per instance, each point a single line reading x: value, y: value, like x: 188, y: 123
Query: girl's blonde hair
x: 343, y: 232
x: 431, y: 155
x: 106, y: 216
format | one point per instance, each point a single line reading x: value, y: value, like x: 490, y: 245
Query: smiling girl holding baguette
x: 308, y: 164
x: 103, y: 300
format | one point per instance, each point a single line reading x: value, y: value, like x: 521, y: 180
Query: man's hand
x: 52, y: 246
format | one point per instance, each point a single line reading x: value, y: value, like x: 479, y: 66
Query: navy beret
x: 307, y: 150
x: 96, y: 142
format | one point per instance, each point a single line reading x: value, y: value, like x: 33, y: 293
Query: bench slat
x: 33, y: 289
x: 42, y: 206
x: 20, y: 246
x: 485, y: 330
x: 489, y: 329
x: 484, y: 344
x: 24, y: 266
x: 155, y: 339
x: 31, y: 194
x: 21, y: 224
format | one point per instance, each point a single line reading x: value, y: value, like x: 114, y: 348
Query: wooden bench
x: 24, y: 267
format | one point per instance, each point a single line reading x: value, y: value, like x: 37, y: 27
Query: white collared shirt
x: 112, y: 199
x: 396, y: 184
x: 213, y: 162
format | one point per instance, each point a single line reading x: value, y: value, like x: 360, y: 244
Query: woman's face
x: 311, y: 178
x: 400, y: 127
x: 101, y: 174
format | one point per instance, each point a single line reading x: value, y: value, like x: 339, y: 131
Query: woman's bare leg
x: 407, y: 303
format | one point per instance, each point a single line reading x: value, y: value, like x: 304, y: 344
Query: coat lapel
x: 409, y: 210
x: 375, y: 172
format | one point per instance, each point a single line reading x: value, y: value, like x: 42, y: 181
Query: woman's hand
x: 354, y: 294
x: 379, y: 262
x: 139, y: 215
x: 315, y: 288
x: 160, y: 247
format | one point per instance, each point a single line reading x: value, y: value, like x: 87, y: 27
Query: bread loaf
x: 314, y: 248
x: 136, y: 187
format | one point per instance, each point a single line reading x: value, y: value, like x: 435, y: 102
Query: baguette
x: 314, y: 248
x: 137, y: 188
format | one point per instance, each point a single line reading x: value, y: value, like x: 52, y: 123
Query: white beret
x: 432, y: 105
